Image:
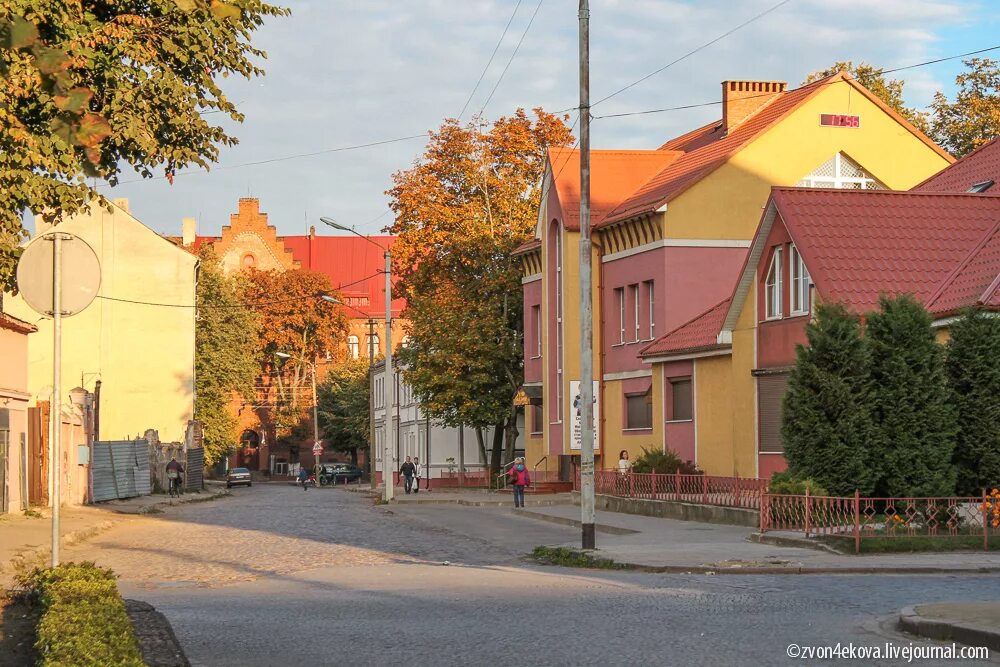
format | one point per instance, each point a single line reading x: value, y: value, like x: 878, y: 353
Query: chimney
x: 121, y: 203
x: 740, y: 99
x: 189, y: 230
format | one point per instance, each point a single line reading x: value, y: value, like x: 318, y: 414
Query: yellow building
x: 136, y: 338
x: 671, y: 231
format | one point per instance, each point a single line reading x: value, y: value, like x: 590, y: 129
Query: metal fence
x: 120, y: 469
x: 858, y: 518
x: 742, y: 492
x: 195, y: 469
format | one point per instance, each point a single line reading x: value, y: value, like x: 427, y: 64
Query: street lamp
x: 312, y: 366
x: 387, y: 472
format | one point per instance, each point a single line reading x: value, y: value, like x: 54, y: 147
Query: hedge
x: 82, y: 620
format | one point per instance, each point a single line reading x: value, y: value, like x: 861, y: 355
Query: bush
x: 83, y: 620
x: 665, y: 462
x: 787, y: 484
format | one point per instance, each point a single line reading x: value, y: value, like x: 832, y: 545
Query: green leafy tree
x: 227, y: 357
x: 827, y: 426
x: 889, y: 91
x: 461, y: 211
x: 911, y: 402
x: 974, y: 117
x: 92, y: 87
x: 974, y: 373
x: 343, y: 407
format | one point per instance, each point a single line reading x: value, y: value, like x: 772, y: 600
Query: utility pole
x: 371, y: 404
x: 388, y: 465
x: 586, y: 296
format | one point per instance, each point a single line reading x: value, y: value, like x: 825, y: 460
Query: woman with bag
x: 520, y: 478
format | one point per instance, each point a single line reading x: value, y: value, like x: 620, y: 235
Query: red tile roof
x: 983, y: 164
x: 696, y: 335
x: 858, y: 244
x: 528, y: 246
x: 12, y: 323
x: 614, y: 176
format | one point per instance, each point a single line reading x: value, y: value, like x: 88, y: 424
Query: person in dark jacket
x: 175, y: 471
x: 304, y: 478
x: 520, y: 478
x: 408, y: 470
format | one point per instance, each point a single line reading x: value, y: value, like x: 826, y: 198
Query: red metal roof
x: 983, y: 164
x: 614, y: 176
x: 858, y: 244
x: 697, y: 335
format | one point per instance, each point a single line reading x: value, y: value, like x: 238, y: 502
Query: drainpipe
x: 97, y: 410
x: 600, y: 355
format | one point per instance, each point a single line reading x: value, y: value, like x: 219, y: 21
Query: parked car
x: 340, y: 473
x: 237, y: 476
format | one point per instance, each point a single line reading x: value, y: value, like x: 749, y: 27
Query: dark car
x: 340, y: 473
x: 237, y: 476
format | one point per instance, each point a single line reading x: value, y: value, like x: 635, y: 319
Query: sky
x: 347, y: 72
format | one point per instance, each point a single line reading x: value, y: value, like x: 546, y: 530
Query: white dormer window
x: 840, y: 172
x: 772, y: 287
x: 800, y: 283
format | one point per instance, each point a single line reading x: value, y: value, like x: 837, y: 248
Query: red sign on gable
x: 839, y: 120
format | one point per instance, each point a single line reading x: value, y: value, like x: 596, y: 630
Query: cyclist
x: 174, y: 472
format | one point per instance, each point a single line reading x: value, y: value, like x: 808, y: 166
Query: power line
x: 816, y: 83
x: 490, y: 61
x: 512, y: 55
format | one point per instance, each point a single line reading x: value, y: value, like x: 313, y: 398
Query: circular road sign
x: 80, y: 274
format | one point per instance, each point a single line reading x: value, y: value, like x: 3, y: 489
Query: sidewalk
x: 971, y: 623
x: 466, y: 497
x: 25, y: 541
x: 686, y: 546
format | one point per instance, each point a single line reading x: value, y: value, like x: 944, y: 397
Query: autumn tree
x: 92, y: 87
x: 300, y: 325
x: 889, y: 91
x: 343, y: 407
x: 227, y: 358
x: 974, y: 117
x: 461, y: 211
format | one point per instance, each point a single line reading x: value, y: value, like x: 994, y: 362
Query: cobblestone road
x: 276, y: 576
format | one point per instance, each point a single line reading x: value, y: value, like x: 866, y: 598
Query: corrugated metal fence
x: 120, y: 469
x: 195, y: 469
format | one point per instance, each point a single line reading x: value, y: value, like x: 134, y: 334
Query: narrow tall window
x: 652, y: 309
x: 680, y: 403
x: 800, y: 283
x: 536, y: 326
x: 772, y: 287
x: 634, y: 289
x: 371, y: 344
x: 639, y: 410
x: 352, y: 347
x: 620, y: 298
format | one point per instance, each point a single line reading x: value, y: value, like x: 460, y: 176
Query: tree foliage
x: 974, y: 117
x: 295, y: 322
x: 461, y: 211
x: 911, y: 407
x: 974, y: 374
x: 343, y: 406
x: 227, y: 359
x: 889, y: 91
x: 96, y: 86
x: 827, y: 426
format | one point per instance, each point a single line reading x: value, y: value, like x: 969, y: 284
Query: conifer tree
x: 974, y: 374
x: 827, y: 426
x: 911, y: 407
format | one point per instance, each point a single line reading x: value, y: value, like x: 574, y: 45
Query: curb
x: 942, y: 630
x: 156, y: 637
x: 796, y: 570
x: 600, y: 527
x: 801, y: 542
x: 71, y: 538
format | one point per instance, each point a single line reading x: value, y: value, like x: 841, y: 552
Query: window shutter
x: 770, y: 394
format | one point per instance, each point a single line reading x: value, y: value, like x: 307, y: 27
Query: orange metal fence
x: 703, y: 489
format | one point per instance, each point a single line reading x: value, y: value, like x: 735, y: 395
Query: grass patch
x: 565, y: 557
x: 82, y: 619
x: 33, y: 514
x: 910, y: 544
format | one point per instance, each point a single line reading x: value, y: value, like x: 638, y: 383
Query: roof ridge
x: 955, y: 163
x: 923, y: 193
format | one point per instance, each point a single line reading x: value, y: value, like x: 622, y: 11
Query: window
x: 536, y: 328
x: 680, y: 401
x: 634, y: 291
x: 841, y: 172
x: 772, y: 287
x: 800, y: 283
x: 620, y: 298
x: 370, y: 341
x: 652, y: 308
x: 639, y: 410
x: 980, y: 187
x: 536, y: 418
x: 352, y: 347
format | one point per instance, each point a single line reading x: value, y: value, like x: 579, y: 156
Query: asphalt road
x: 278, y: 576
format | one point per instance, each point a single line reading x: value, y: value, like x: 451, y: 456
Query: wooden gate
x: 38, y: 455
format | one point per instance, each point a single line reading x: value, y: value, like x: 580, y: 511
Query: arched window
x: 369, y: 340
x: 352, y: 347
x: 249, y: 261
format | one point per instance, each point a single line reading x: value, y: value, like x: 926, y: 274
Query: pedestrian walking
x: 407, y: 470
x: 174, y: 472
x: 417, y: 474
x: 520, y: 478
x: 304, y: 478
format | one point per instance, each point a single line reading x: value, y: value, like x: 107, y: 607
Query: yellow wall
x: 144, y: 355
x: 727, y: 204
x: 714, y: 432
x: 613, y: 417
